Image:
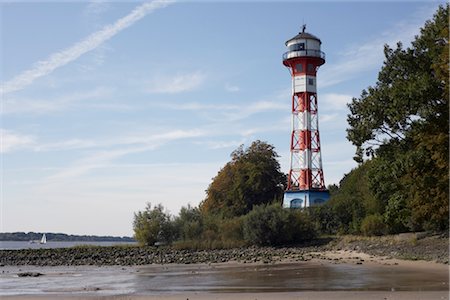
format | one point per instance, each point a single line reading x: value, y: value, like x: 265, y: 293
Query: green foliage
x: 397, y: 215
x: 402, y: 124
x: 232, y: 229
x: 373, y: 225
x: 153, y: 225
x: 350, y: 203
x: 325, y: 219
x: 252, y: 177
x: 273, y: 225
x: 189, y: 223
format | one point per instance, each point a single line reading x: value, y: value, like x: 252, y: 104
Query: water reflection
x: 286, y: 277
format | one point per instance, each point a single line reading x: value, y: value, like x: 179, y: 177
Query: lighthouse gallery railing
x: 302, y: 53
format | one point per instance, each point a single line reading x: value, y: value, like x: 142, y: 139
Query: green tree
x: 402, y: 123
x: 153, y: 225
x: 189, y: 223
x: 252, y: 177
x: 352, y: 201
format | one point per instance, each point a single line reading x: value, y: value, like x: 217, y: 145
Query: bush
x: 231, y: 229
x: 272, y: 225
x: 153, y: 225
x: 189, y: 223
x: 373, y: 225
x: 326, y: 221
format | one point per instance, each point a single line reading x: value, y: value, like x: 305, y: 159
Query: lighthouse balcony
x: 304, y: 53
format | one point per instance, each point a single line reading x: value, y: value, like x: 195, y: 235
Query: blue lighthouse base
x: 303, y: 199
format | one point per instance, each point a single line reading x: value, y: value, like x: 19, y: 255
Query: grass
x: 207, y: 244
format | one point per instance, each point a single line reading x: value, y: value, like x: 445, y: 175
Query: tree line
x: 59, y: 237
x: 400, y: 127
x: 242, y: 207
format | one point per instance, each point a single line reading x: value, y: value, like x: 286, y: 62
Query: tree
x: 349, y: 203
x: 402, y: 123
x: 252, y: 177
x: 152, y: 226
x: 189, y: 223
x: 412, y: 89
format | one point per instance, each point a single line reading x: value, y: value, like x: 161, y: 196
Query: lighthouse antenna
x: 303, y: 27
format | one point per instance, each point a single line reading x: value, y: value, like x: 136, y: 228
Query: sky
x: 106, y: 106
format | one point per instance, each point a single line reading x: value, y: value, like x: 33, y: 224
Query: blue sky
x: 109, y: 105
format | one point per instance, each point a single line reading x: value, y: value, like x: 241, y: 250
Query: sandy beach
x: 372, y: 295
x: 326, y: 275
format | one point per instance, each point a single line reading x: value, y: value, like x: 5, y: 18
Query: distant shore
x: 60, y: 237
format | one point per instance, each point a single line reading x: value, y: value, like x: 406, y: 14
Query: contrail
x: 59, y: 59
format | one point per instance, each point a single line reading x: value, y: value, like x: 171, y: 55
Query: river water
x: 227, y: 277
x: 15, y: 245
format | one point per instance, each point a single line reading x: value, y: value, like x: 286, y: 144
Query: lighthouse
x: 306, y: 185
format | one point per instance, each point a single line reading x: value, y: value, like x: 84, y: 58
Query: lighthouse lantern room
x: 306, y: 185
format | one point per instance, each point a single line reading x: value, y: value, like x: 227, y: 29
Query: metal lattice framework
x: 306, y: 171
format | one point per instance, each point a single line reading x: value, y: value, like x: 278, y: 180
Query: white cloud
x: 369, y: 55
x: 222, y: 144
x: 96, y: 7
x: 249, y: 109
x: 232, y: 88
x: 120, y: 147
x: 176, y: 83
x: 333, y: 101
x: 59, y: 59
x: 229, y: 112
x: 326, y: 118
x: 10, y: 140
x: 196, y: 106
x: 60, y: 103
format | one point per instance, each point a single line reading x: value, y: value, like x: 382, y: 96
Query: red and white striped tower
x: 306, y: 185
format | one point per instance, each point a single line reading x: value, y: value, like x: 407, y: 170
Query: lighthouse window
x: 310, y: 67
x: 310, y: 81
x: 299, y: 67
x: 297, y: 47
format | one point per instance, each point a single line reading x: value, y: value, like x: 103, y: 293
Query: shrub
x: 273, y: 225
x: 153, y: 225
x: 231, y: 229
x: 189, y: 223
x: 373, y: 225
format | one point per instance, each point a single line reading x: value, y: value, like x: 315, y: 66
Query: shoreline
x: 307, y: 295
x: 409, y: 246
x: 97, y: 286
x: 352, y: 268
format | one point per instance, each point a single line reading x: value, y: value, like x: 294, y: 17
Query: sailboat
x: 43, y: 239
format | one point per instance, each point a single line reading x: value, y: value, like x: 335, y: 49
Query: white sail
x: 44, y: 239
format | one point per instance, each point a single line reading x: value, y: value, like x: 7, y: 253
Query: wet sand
x: 327, y: 275
x: 341, y: 295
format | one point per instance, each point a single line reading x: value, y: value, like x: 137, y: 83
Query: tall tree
x: 252, y: 177
x: 403, y: 122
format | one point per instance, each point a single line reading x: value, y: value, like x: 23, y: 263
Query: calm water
x: 13, y: 245
x: 170, y: 279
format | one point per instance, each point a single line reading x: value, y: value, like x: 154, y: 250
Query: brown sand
x: 259, y: 296
x: 329, y: 257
